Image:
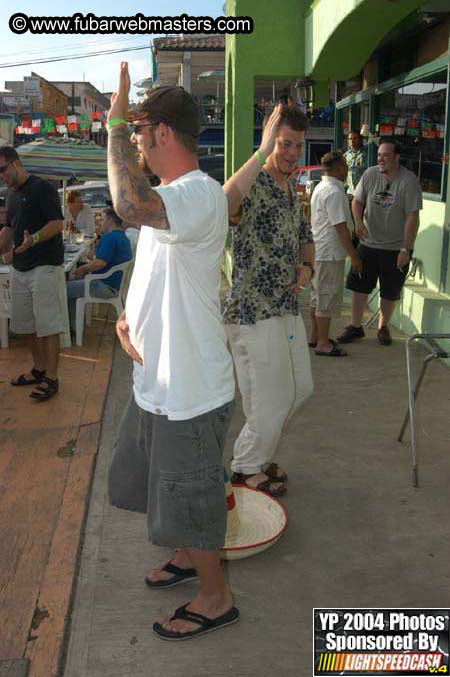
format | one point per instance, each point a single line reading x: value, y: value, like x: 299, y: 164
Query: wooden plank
x: 30, y: 501
x: 95, y: 399
x: 44, y: 650
x: 14, y: 667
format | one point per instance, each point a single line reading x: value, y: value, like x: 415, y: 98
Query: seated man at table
x: 80, y: 216
x: 114, y: 248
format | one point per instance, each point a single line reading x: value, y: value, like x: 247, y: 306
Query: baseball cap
x: 172, y: 105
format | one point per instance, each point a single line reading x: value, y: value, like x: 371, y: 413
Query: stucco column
x: 186, y: 71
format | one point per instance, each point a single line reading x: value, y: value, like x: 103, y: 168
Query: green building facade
x: 390, y: 62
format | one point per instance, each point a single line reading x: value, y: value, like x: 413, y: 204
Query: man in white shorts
x: 34, y: 225
x: 331, y: 224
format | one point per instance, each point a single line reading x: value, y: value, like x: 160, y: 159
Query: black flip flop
x: 22, y: 380
x: 179, y: 576
x: 206, y: 624
x: 334, y: 352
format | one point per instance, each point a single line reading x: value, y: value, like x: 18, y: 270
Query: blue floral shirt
x: 265, y: 248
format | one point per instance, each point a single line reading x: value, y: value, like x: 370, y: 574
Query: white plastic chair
x: 116, y: 301
x: 5, y: 308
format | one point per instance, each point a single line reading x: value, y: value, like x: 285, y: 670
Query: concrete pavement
x: 358, y: 535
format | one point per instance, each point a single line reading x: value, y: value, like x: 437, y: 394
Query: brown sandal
x: 272, y: 472
x: 265, y: 485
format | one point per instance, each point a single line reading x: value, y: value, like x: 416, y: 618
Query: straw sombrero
x: 255, y: 521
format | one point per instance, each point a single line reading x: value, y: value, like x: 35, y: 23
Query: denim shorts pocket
x: 196, y: 500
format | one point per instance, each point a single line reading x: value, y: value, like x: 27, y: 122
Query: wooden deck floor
x: 47, y: 455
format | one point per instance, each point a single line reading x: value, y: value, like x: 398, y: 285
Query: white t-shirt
x: 172, y: 307
x: 329, y: 206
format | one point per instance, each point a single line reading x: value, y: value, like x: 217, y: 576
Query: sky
x: 101, y: 71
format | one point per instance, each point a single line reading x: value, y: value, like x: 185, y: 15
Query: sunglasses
x: 135, y: 128
x: 5, y: 167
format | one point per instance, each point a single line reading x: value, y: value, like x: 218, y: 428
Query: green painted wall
x: 428, y: 244
x: 275, y: 49
x: 340, y: 35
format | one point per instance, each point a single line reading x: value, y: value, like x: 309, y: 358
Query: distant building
x: 83, y: 97
x: 47, y: 98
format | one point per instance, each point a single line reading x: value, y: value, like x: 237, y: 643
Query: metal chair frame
x: 436, y: 352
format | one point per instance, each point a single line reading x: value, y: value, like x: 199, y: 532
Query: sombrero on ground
x: 255, y: 521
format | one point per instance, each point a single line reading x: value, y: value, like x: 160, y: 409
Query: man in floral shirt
x: 273, y: 258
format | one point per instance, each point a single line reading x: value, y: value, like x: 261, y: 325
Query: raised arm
x: 133, y: 198
x: 239, y: 184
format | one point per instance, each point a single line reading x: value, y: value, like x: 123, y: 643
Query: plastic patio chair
x: 116, y: 301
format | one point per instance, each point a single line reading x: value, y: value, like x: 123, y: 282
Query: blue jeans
x: 75, y: 290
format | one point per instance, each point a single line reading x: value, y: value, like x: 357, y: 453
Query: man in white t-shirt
x: 331, y: 224
x: 168, y: 458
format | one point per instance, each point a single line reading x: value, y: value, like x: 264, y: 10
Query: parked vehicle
x: 308, y: 173
x: 213, y: 164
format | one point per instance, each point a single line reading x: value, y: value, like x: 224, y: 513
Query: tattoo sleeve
x: 133, y: 198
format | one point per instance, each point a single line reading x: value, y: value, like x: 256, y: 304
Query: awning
x: 59, y: 159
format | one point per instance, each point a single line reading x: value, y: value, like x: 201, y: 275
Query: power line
x: 75, y: 45
x: 70, y: 58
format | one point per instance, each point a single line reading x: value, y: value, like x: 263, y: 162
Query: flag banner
x: 96, y: 126
x: 36, y: 123
x: 49, y: 125
x: 72, y: 119
x: 73, y: 127
x: 381, y: 641
x: 96, y: 116
x: 26, y: 123
x: 61, y: 120
x: 35, y: 130
x: 62, y: 129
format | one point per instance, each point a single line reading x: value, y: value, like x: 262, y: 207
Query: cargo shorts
x: 173, y: 471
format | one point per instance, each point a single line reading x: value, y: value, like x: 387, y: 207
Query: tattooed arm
x: 133, y: 198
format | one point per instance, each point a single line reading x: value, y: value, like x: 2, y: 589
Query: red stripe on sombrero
x: 231, y: 503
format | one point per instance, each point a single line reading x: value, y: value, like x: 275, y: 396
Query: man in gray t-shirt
x: 385, y: 208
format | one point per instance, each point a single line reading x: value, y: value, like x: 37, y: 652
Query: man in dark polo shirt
x: 34, y: 223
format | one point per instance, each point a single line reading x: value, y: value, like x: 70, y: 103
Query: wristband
x: 116, y: 121
x: 36, y: 237
x: 259, y: 157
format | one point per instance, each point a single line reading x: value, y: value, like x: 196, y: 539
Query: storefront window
x: 415, y: 115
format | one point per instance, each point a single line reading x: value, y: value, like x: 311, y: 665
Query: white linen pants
x: 274, y: 375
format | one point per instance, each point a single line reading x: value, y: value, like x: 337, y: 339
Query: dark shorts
x: 378, y: 265
x: 173, y: 471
